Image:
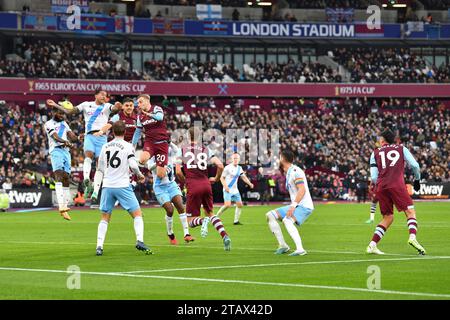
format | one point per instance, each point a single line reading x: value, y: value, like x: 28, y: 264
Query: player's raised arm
x: 53, y: 104
x: 373, y: 168
x: 414, y: 165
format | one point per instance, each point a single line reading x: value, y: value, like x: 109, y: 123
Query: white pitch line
x: 283, y: 264
x: 294, y: 285
x: 194, y: 246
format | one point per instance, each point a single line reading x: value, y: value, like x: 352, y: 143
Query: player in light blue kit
x: 58, y: 133
x: 229, y: 179
x: 116, y: 158
x: 96, y: 114
x: 168, y: 192
x: 300, y: 209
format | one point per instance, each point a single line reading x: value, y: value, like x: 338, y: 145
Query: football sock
x: 60, y: 195
x: 184, y: 223
x: 275, y: 228
x: 139, y: 228
x: 373, y: 208
x: 412, y: 227
x: 195, y: 222
x: 87, y: 168
x: 237, y: 214
x: 377, y: 235
x: 98, y: 178
x: 293, y: 232
x: 66, y: 192
x: 169, y: 224
x: 221, y: 210
x: 217, y: 223
x: 101, y: 233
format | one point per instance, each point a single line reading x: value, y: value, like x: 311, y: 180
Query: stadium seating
x: 81, y: 60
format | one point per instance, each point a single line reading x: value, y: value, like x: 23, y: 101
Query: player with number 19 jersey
x: 391, y: 189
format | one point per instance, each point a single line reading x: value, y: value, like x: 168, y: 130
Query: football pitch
x: 37, y: 248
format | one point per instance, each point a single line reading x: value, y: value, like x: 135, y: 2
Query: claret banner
x: 236, y: 89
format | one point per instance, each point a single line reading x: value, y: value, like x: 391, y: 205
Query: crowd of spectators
x: 65, y: 59
x: 181, y: 70
x: 436, y: 4
x: 333, y: 138
x: 389, y: 66
x: 339, y: 138
x: 224, y: 3
x: 321, y: 4
x: 80, y: 60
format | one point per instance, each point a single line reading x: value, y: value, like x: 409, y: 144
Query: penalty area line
x: 244, y: 282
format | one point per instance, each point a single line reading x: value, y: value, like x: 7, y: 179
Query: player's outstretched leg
x: 276, y: 230
x: 295, y: 235
x: 412, y: 227
x: 218, y: 225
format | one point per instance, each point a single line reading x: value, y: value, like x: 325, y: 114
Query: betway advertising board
x: 30, y: 198
x: 432, y: 190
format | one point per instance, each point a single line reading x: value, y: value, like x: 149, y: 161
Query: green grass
x: 335, y: 236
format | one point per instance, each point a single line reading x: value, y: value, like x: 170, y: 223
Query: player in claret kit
x: 156, y: 143
x: 58, y: 132
x: 295, y: 214
x: 129, y: 117
x: 116, y: 159
x: 194, y: 159
x: 168, y: 192
x: 387, y: 164
x: 96, y: 114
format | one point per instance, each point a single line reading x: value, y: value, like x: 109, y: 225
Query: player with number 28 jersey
x: 194, y: 159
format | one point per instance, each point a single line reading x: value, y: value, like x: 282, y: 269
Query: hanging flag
x: 209, y: 11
